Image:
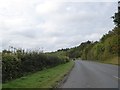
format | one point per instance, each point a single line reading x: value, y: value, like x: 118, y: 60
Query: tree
x: 116, y: 17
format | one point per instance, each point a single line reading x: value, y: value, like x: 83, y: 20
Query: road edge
x: 64, y: 78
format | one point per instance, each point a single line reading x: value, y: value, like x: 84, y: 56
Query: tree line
x: 108, y: 47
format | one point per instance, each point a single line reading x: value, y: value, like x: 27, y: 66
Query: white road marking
x: 116, y: 77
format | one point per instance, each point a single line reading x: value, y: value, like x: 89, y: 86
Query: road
x: 88, y: 74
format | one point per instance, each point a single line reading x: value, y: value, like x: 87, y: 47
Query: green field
x: 43, y: 79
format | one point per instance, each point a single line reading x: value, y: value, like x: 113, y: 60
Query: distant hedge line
x: 14, y: 67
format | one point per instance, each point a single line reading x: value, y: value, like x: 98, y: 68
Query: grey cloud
x: 67, y: 26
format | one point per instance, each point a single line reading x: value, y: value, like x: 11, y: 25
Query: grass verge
x: 48, y: 78
x: 113, y: 61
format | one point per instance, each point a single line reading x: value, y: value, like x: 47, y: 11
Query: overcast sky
x: 51, y: 24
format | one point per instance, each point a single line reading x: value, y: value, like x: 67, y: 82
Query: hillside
x: 107, y: 49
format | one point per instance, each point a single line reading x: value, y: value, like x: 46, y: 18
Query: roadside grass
x: 48, y: 78
x: 114, y: 61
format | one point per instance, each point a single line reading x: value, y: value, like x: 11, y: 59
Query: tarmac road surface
x: 88, y: 74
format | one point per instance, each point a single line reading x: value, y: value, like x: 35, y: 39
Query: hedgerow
x: 15, y: 65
